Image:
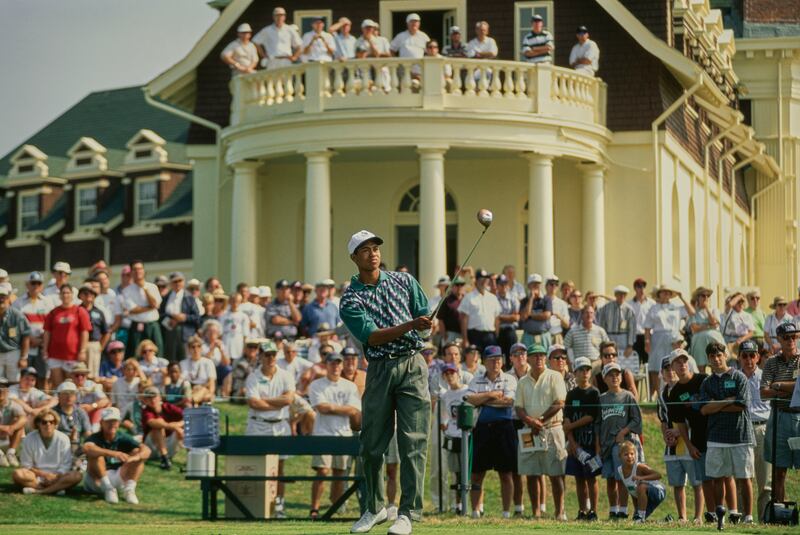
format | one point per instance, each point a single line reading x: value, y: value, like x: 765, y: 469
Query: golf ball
x: 485, y: 216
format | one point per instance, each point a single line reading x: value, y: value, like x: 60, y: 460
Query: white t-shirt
x: 244, y: 54
x: 341, y: 392
x: 318, y: 51
x: 124, y: 393
x: 345, y: 46
x: 106, y: 303
x: 199, y: 371
x: 33, y: 397
x: 665, y: 317
x: 449, y: 407
x: 55, y: 459
x: 296, y: 368
x: 736, y: 324
x: 587, y: 50
x: 475, y: 47
x: 35, y: 312
x: 258, y: 386
x: 277, y: 42
x: 153, y: 370
x: 235, y: 326
x: 254, y: 313
x: 561, y: 308
x: 410, y: 46
x: 134, y: 296
x: 482, y: 310
x: 641, y: 310
x: 380, y: 42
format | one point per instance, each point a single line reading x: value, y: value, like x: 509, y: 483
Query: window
x: 410, y: 201
x: 86, y: 205
x: 304, y: 17
x: 139, y: 154
x: 28, y: 210
x: 146, y: 199
x: 523, y: 11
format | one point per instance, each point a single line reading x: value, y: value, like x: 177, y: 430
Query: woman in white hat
x: 704, y: 324
x: 780, y: 306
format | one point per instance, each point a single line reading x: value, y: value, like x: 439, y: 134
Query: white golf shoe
x: 401, y: 526
x: 369, y: 521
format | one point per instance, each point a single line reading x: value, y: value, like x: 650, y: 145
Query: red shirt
x: 169, y: 413
x: 65, y: 326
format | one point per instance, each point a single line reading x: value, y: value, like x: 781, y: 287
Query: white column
x: 432, y: 225
x: 541, y: 239
x: 317, y: 244
x: 593, y: 245
x: 244, y: 227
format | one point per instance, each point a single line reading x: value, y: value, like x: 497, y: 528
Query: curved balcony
x: 464, y: 93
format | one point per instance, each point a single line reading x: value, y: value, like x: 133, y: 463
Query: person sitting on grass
x: 46, y: 456
x: 179, y: 390
x: 73, y: 420
x: 31, y: 399
x: 162, y: 426
x: 116, y: 461
x: 12, y: 426
x: 91, y: 397
x: 200, y: 371
x: 641, y: 481
x: 125, y: 390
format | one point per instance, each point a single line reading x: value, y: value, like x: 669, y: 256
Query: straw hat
x: 780, y: 300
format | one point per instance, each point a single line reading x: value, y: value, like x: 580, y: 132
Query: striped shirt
x: 618, y: 320
x: 728, y: 427
x: 533, y: 40
x: 776, y: 369
x: 585, y: 343
x: 396, y: 299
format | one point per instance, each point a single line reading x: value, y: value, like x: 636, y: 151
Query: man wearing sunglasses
x: 46, y: 456
x: 777, y: 383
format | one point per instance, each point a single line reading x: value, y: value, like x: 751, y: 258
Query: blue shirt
x: 107, y: 370
x: 314, y: 314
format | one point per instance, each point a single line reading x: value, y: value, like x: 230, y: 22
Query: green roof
x: 112, y: 118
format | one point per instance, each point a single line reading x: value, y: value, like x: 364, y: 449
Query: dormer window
x: 146, y: 147
x: 86, y: 156
x: 29, y: 210
x: 28, y: 162
x: 141, y: 154
x: 85, y: 204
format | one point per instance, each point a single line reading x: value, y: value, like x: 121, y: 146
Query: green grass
x: 171, y: 504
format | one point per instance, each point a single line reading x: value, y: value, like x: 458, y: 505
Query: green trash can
x: 466, y: 416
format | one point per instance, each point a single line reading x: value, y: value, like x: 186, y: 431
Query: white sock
x: 129, y: 485
x: 615, y: 509
x: 506, y: 514
x: 519, y: 508
x: 588, y: 504
x: 733, y: 512
x: 543, y: 507
x: 480, y: 508
x: 105, y: 483
x: 642, y: 514
x: 623, y: 509
x: 748, y: 518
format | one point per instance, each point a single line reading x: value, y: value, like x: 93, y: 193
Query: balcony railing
x: 427, y: 83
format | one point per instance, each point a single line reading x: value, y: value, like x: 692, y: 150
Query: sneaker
x: 735, y: 518
x: 3, y: 460
x: 710, y: 517
x: 111, y: 496
x: 391, y: 513
x: 476, y: 514
x: 279, y: 508
x: 721, y: 517
x: 563, y: 517
x: 130, y: 496
x: 748, y: 519
x: 637, y: 519
x: 670, y: 518
x: 165, y: 464
x: 368, y: 521
x: 401, y: 526
x: 581, y: 515
x: 12, y: 459
x: 28, y: 490
x: 591, y: 516
x: 622, y: 516
x: 519, y: 514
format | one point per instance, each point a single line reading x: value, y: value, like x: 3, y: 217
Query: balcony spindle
x: 289, y: 87
x: 405, y: 83
x: 300, y: 85
x: 521, y: 86
x: 458, y: 84
x: 279, y: 93
x: 338, y: 81
x: 367, y: 88
x: 470, y: 81
x: 494, y: 85
x: 270, y: 83
x: 508, y: 83
x: 483, y: 82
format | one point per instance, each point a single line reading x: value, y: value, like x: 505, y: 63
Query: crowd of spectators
x: 94, y: 381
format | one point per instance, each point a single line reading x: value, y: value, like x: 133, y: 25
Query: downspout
x: 657, y: 162
x: 106, y: 247
x: 731, y: 254
x: 47, y: 259
x: 720, y: 191
x: 752, y: 244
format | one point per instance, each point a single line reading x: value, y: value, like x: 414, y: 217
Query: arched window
x: 410, y: 201
x: 676, y: 233
x: 692, y: 247
x: 407, y: 230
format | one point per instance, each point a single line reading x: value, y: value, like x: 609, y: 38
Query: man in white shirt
x: 338, y: 408
x: 372, y: 45
x: 141, y: 300
x: 345, y: 41
x: 270, y: 391
x: 585, y: 55
x: 482, y: 46
x: 46, y: 458
x: 641, y: 305
x: 480, y: 314
x: 318, y: 45
x: 34, y: 306
x: 61, y: 272
x: 410, y: 43
x: 559, y: 318
x: 241, y: 55
x: 300, y: 411
x: 254, y: 311
x: 278, y: 42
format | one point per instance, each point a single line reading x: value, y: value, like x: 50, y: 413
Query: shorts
x: 95, y: 488
x: 172, y: 445
x: 392, y: 456
x: 60, y: 364
x: 576, y: 468
x: 700, y: 469
x: 337, y: 462
x: 788, y: 427
x: 299, y: 406
x: 551, y: 461
x: 39, y: 363
x: 736, y: 461
x: 9, y: 365
x: 494, y: 447
x: 679, y: 470
x: 256, y: 426
x: 655, y: 495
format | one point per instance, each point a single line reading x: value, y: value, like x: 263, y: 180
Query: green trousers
x: 396, y: 388
x: 150, y: 331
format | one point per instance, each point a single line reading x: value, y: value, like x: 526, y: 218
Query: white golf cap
x: 193, y: 282
x: 608, y: 368
x: 254, y: 291
x: 621, y: 289
x: 552, y: 277
x: 328, y: 282
x: 361, y: 237
x: 5, y: 288
x: 278, y: 11
x: 534, y: 277
x: 369, y: 23
x: 455, y: 29
x: 244, y: 28
x: 676, y: 354
x: 556, y: 347
x: 582, y: 362
x: 67, y: 386
x: 412, y: 16
x: 3, y: 273
x: 110, y: 413
x: 63, y: 267
x: 265, y: 291
x: 444, y: 279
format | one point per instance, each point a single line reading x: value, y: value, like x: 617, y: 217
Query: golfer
x: 385, y: 310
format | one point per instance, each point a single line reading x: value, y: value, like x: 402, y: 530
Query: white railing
x: 428, y: 83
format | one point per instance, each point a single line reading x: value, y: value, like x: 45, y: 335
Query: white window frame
x: 21, y: 214
x: 137, y: 185
x: 549, y: 24
x: 299, y: 15
x: 80, y: 209
x: 387, y: 7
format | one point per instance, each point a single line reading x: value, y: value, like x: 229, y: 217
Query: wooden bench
x: 266, y: 445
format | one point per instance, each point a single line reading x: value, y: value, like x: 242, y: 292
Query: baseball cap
x: 556, y: 347
x: 176, y: 276
x: 244, y: 28
x: 349, y: 352
x: 281, y: 284
x: 361, y: 237
x: 552, y: 278
x: 536, y: 348
x: 787, y: 328
x: 253, y: 290
x: 35, y: 276
x: 3, y: 382
x: 748, y: 346
x: 329, y: 282
x: 582, y: 29
x: 333, y: 357
x: 455, y: 29
x: 115, y: 345
x: 481, y: 274
x: 665, y: 363
x: 193, y: 283
x: 444, y: 279
x: 265, y: 291
x: 450, y: 367
x: 534, y: 277
x: 5, y: 289
x: 249, y: 341
x: 492, y: 352
x: 87, y: 288
x: 298, y: 285
x: 369, y: 23
x: 582, y: 362
x: 30, y: 370
x: 412, y: 16
x: 66, y: 386
x: 428, y: 347
x: 608, y: 368
x: 3, y: 273
x: 151, y: 391
x: 110, y: 413
x: 459, y: 281
x: 317, y: 18
x: 63, y: 267
x: 278, y: 336
x: 621, y: 289
x: 537, y: 18
x: 268, y: 346
x: 501, y: 279
x: 470, y: 348
x: 676, y: 354
x: 518, y: 347
x: 161, y: 280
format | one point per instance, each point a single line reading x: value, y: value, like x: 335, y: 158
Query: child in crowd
x: 581, y: 413
x: 641, y: 481
x: 179, y: 390
x: 449, y: 403
x: 620, y: 420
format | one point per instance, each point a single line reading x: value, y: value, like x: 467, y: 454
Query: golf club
x: 485, y: 218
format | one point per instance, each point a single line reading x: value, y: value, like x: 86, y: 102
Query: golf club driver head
x: 485, y: 217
